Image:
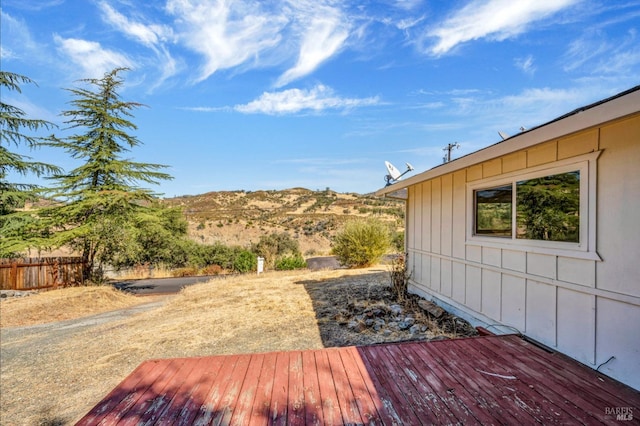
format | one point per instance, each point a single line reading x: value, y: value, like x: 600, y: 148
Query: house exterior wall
x: 587, y: 307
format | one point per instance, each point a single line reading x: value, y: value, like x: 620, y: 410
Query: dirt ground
x: 54, y: 372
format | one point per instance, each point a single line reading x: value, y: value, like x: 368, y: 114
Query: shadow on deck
x: 482, y: 380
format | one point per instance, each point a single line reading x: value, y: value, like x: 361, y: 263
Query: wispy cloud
x: 152, y: 36
x: 149, y: 35
x: 17, y: 42
x: 293, y: 101
x: 227, y: 34
x: 90, y: 56
x: 596, y: 54
x: 323, y: 31
x: 493, y: 19
x: 526, y: 64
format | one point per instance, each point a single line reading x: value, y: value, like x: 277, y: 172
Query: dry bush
x: 190, y: 271
x: 212, y: 270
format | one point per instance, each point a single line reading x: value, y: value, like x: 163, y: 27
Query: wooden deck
x: 483, y: 380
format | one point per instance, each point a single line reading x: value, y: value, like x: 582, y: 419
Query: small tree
x: 275, y: 246
x: 361, y: 242
x: 13, y: 123
x: 100, y: 199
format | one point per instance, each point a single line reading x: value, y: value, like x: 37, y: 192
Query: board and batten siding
x: 588, y: 309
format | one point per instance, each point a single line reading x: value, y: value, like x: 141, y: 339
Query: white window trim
x: 585, y: 249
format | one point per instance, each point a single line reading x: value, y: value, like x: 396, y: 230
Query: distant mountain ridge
x: 312, y: 217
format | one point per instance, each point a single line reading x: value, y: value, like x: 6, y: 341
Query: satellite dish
x: 503, y: 135
x: 394, y: 174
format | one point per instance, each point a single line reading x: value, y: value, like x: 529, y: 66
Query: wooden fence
x: 40, y: 273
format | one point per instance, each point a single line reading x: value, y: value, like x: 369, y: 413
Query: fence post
x: 14, y: 275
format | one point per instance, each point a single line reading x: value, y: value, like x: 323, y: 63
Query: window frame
x: 586, y: 164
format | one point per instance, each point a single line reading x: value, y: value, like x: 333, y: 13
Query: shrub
x: 212, y: 270
x: 361, y: 242
x: 274, y: 246
x: 289, y: 263
x: 397, y: 241
x: 190, y: 271
x: 245, y: 261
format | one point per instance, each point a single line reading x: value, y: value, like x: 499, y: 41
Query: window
x: 494, y: 211
x: 546, y: 208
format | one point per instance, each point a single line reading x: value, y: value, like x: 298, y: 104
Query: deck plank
x: 481, y: 389
x: 296, y: 407
x: 217, y: 388
x: 392, y: 394
x: 264, y: 390
x: 341, y: 380
x: 364, y: 392
x: 482, y: 380
x: 442, y: 386
x: 154, y: 398
x: 280, y: 392
x: 330, y: 405
x: 183, y: 395
x: 312, y: 398
x: 200, y: 391
x: 117, y: 395
x: 575, y: 386
x: 425, y: 395
x: 247, y: 394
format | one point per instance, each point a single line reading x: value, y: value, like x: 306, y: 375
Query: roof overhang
x: 618, y: 106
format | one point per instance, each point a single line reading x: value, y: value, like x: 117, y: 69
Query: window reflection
x: 548, y: 208
x: 493, y: 211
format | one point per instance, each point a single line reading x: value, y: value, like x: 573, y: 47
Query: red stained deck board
x: 312, y: 399
x: 295, y: 407
x: 264, y: 390
x: 484, y: 380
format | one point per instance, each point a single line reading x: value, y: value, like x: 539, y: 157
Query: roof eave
x: 618, y: 106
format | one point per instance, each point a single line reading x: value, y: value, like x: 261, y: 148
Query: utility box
x: 260, y: 265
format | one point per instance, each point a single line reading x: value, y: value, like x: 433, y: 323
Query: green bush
x: 245, y: 261
x: 289, y: 263
x: 361, y: 242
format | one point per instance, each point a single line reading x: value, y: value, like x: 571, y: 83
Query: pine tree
x: 13, y: 123
x: 99, y: 200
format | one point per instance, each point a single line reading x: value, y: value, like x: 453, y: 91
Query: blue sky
x: 319, y: 93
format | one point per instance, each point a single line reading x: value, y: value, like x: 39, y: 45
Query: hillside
x: 312, y: 217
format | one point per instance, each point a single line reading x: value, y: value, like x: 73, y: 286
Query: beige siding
x: 542, y: 154
x: 582, y: 143
x: 515, y: 161
x: 619, y: 208
x: 436, y: 215
x: 585, y: 308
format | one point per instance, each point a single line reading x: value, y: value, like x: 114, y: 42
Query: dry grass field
x: 54, y: 372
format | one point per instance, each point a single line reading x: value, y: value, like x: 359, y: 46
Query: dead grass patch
x: 63, y: 304
x: 57, y: 372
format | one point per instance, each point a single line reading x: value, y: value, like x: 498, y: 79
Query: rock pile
x: 418, y: 318
x: 4, y: 294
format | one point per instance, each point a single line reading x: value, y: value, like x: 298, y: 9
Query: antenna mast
x: 448, y: 149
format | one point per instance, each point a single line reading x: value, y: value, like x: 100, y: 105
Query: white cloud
x: 226, y: 33
x: 495, y: 19
x: 90, y: 56
x: 149, y: 35
x: 17, y: 42
x: 526, y: 64
x: 293, y: 101
x: 595, y: 53
x: 324, y: 31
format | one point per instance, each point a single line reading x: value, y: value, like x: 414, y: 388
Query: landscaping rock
x: 431, y: 308
x: 396, y: 309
